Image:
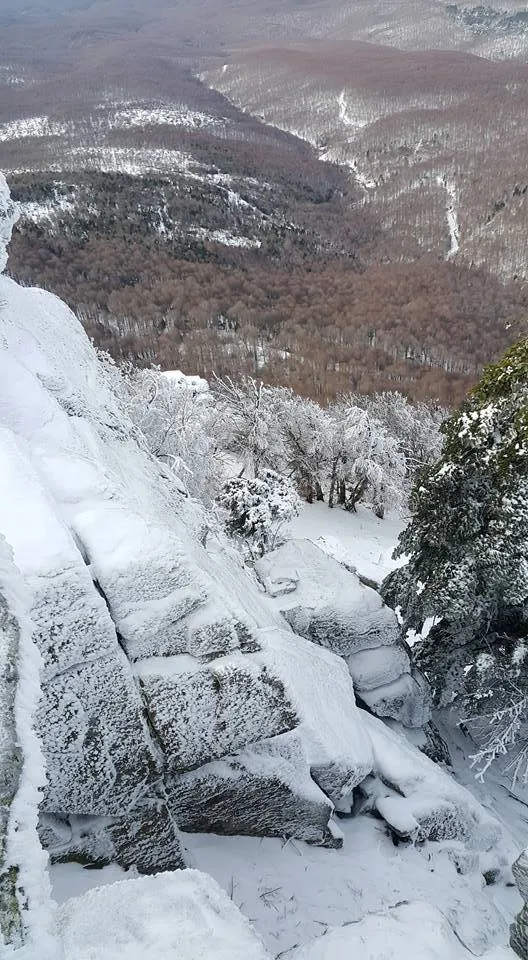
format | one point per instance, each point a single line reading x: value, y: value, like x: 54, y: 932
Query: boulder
x: 418, y: 799
x: 283, y: 720
x: 329, y: 605
x: 519, y: 933
x: 325, y: 603
x: 405, y: 699
x: 146, y: 838
x: 174, y: 916
x: 519, y: 927
x: 377, y: 667
x: 255, y: 794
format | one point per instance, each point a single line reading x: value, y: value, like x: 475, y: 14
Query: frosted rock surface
x: 172, y: 916
x: 201, y: 713
x: 417, y: 798
x: 405, y: 699
x: 253, y: 793
x: 329, y: 605
x: 26, y: 908
x: 8, y: 218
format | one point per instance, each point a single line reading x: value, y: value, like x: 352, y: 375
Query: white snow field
x: 250, y: 726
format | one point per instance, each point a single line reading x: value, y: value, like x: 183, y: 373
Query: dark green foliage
x: 467, y: 542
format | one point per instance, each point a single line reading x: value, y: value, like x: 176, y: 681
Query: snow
x: 22, y: 847
x: 388, y: 936
x: 223, y: 236
x: 294, y: 892
x: 8, y: 218
x: 138, y: 114
x: 31, y: 127
x: 170, y: 916
x: 358, y: 540
x: 191, y: 381
x: 451, y: 215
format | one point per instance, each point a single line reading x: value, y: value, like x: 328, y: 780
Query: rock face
x: 25, y: 896
x: 8, y: 218
x: 329, y: 605
x: 519, y: 927
x: 172, y: 692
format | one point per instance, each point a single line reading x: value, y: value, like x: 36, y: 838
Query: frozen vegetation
x: 207, y: 690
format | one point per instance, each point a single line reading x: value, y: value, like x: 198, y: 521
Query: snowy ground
x: 294, y: 893
x: 359, y: 539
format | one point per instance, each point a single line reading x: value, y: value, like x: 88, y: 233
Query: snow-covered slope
x: 174, y: 692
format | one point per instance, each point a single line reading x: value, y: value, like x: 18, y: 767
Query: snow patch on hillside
x: 29, y: 127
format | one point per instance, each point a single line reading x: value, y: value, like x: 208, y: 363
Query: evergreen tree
x: 467, y: 547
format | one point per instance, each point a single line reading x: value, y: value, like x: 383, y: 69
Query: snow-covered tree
x: 367, y: 463
x: 258, y: 509
x: 467, y: 548
x: 247, y: 423
x: 415, y: 426
x: 176, y: 418
x: 307, y: 434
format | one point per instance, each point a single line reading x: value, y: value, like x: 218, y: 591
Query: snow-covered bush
x: 258, y: 508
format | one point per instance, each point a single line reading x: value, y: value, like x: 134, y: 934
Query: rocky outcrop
x: 328, y: 604
x: 519, y: 927
x: 164, y: 668
x: 418, y: 800
x: 25, y: 896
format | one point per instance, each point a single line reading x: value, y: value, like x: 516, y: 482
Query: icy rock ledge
x: 329, y: 605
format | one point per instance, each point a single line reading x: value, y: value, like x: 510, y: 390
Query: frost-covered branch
x: 506, y: 728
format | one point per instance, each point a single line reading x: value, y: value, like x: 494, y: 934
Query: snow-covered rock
x: 172, y: 916
x: 324, y: 602
x: 405, y: 699
x: 406, y: 930
x: 8, y: 218
x: 256, y: 794
x: 329, y: 605
x: 202, y: 712
x: 25, y: 902
x: 101, y: 761
x: 519, y: 927
x: 283, y: 785
x: 160, y: 656
x: 420, y: 800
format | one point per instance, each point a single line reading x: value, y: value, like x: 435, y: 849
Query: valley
x: 316, y: 195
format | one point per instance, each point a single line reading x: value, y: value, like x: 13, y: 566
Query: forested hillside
x: 384, y: 250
